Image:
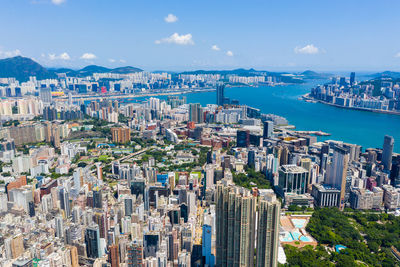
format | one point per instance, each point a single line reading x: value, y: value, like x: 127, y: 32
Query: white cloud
x: 215, y: 48
x: 397, y: 55
x: 112, y: 60
x: 13, y: 53
x: 52, y: 56
x: 58, y: 2
x: 88, y: 56
x: 171, y: 18
x: 65, y: 56
x: 229, y: 53
x: 184, y: 39
x: 308, y: 49
x: 122, y: 60
x: 62, y: 56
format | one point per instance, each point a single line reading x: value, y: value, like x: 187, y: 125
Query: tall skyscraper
x: 251, y: 159
x: 64, y: 201
x: 135, y: 254
x: 121, y: 134
x: 45, y: 95
x: 92, y: 241
x: 206, y: 245
x: 70, y: 99
x: 99, y: 169
x: 387, y: 152
x: 128, y: 204
x: 59, y: 227
x: 342, y: 81
x: 220, y: 94
x: 337, y: 172
x: 395, y: 172
x: 268, y: 231
x: 235, y: 220
x: 242, y: 138
x: 97, y: 198
x: 268, y: 129
x: 352, y: 78
x: 74, y: 256
x: 55, y: 135
x: 195, y: 113
x: 113, y: 255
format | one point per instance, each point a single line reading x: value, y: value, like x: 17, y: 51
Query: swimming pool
x: 287, y: 238
x: 305, y: 238
x: 299, y: 223
x: 295, y: 235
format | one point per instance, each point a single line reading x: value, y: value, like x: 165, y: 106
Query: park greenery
x: 251, y: 179
x: 367, y: 237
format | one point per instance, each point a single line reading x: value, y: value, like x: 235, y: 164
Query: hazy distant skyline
x: 185, y: 35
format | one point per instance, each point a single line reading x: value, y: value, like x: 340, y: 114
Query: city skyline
x: 185, y: 36
x: 199, y: 133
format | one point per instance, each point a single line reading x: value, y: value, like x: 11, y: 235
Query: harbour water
x: 353, y: 126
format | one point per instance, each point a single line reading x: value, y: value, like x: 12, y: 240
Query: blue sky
x: 203, y: 34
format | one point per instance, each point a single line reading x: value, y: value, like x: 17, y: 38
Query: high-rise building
x: 55, y: 136
x: 292, y: 179
x: 268, y: 231
x: 45, y: 95
x: 135, y: 254
x: 251, y: 159
x: 31, y: 206
x: 74, y: 256
x: 121, y: 134
x: 113, y: 255
x: 235, y: 220
x: 268, y: 129
x: 206, y: 245
x: 16, y: 245
x: 196, y: 113
x: 352, y: 78
x: 325, y: 196
x: 128, y: 204
x: 220, y: 94
x: 395, y: 172
x: 176, y: 101
x: 387, y: 152
x: 242, y: 138
x: 97, y: 198
x: 337, y: 172
x: 92, y: 241
x: 59, y: 227
x: 64, y: 201
x: 70, y: 99
x: 99, y: 170
x: 342, y: 81
x: 209, y: 176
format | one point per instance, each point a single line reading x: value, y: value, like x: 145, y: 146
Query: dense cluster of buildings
x: 160, y: 186
x: 383, y: 96
x: 119, y: 83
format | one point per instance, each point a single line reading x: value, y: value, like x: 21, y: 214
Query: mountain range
x: 386, y: 74
x: 89, y: 70
x: 309, y: 74
x: 22, y: 68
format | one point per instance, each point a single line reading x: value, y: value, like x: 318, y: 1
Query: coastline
x: 151, y: 94
x: 123, y: 96
x: 307, y: 97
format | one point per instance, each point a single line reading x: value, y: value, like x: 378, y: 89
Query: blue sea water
x: 353, y: 126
